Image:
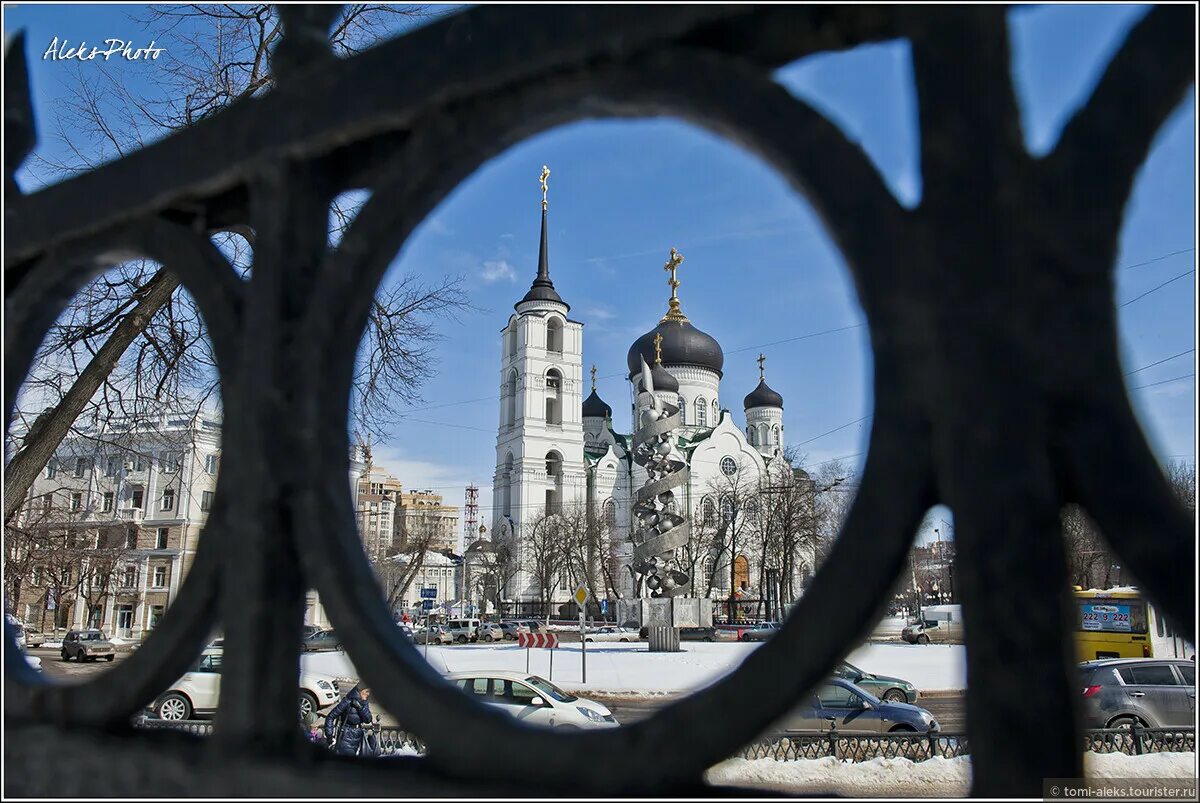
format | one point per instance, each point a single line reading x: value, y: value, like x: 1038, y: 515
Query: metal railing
x: 847, y: 747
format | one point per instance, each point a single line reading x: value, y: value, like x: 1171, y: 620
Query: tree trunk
x: 52, y: 426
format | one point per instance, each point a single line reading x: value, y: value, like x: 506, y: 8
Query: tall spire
x: 673, y: 311
x: 543, y: 288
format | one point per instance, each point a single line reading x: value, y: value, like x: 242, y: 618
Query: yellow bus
x: 1119, y: 623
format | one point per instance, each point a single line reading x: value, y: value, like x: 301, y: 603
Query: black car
x: 697, y: 634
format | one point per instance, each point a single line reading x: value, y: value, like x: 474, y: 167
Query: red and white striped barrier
x: 537, y: 640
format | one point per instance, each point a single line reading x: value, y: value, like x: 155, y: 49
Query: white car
x: 611, y: 634
x: 198, y: 691
x: 532, y: 699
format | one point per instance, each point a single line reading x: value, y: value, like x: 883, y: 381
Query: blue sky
x: 759, y: 269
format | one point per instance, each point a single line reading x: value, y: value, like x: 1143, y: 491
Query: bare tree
x: 737, y: 512
x: 133, y: 342
x: 1182, y: 477
x: 545, y: 558
x: 833, y: 497
x: 398, y: 568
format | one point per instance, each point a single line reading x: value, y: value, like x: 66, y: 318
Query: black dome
x: 594, y: 407
x: 763, y: 396
x: 663, y: 381
x: 682, y: 344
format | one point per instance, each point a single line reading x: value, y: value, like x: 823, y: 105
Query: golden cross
x: 658, y: 348
x: 545, y: 175
x: 671, y: 266
x: 673, y: 311
x: 761, y: 360
x: 593, y: 377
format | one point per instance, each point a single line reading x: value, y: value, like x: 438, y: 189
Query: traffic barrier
x: 549, y: 640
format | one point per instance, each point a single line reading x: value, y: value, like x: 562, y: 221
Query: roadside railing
x: 859, y: 747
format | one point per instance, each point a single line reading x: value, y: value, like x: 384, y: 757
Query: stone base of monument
x: 663, y: 616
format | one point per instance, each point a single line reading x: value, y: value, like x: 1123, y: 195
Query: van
x: 463, y: 630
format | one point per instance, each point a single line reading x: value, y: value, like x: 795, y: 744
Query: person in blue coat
x: 355, y: 736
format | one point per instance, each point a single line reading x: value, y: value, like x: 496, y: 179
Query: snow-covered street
x: 632, y: 670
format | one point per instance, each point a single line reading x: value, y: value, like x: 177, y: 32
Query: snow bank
x: 879, y: 777
x: 937, y: 777
x: 52, y: 645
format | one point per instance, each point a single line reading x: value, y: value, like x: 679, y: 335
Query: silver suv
x: 1154, y: 693
x: 87, y: 645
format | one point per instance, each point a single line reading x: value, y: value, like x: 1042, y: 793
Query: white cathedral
x: 555, y: 448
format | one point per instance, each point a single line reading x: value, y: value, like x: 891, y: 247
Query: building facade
x: 556, y: 449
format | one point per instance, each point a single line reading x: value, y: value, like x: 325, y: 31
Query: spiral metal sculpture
x: 660, y: 530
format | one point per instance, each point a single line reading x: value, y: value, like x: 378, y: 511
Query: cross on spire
x: 673, y: 311
x: 658, y: 348
x: 593, y: 377
x: 545, y: 175
x: 761, y: 359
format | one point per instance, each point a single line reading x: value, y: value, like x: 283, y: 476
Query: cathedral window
x: 775, y: 436
x: 708, y: 510
x: 716, y: 413
x: 701, y: 412
x: 554, y: 397
x: 679, y: 402
x: 728, y: 466
x: 751, y: 437
x: 510, y: 399
x: 610, y: 514
x: 554, y: 335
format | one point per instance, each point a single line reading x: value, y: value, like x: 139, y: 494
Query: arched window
x: 751, y: 437
x: 726, y: 509
x: 554, y: 391
x: 510, y: 341
x: 610, y: 513
x: 701, y: 412
x: 716, y: 412
x: 708, y: 510
x: 554, y: 475
x: 510, y: 399
x: 507, y: 479
x: 741, y: 572
x: 775, y: 436
x: 682, y: 405
x: 762, y: 435
x: 554, y: 335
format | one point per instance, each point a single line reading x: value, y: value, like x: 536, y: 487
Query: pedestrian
x: 348, y: 728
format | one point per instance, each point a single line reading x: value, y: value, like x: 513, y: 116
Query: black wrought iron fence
x: 1005, y: 253
x: 799, y: 747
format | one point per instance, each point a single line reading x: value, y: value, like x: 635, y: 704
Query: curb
x: 941, y: 694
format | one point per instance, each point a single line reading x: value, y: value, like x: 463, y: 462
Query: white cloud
x: 496, y: 269
x: 600, y: 314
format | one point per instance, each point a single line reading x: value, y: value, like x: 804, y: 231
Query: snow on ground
x: 937, y: 777
x: 631, y: 669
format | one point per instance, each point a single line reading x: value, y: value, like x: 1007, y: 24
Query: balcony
x: 133, y: 514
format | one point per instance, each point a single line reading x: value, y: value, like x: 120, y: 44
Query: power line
x: 799, y: 337
x: 1160, y: 362
x: 1164, y: 382
x: 835, y: 429
x: 1159, y: 287
x: 1157, y: 259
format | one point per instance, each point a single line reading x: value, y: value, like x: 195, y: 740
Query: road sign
x: 581, y: 595
x: 427, y: 605
x: 429, y: 593
x: 537, y: 640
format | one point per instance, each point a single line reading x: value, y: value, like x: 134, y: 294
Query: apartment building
x: 422, y: 514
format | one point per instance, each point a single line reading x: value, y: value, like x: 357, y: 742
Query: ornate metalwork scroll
x: 1003, y: 254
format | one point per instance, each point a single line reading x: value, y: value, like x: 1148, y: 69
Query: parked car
x: 490, y: 631
x: 1156, y: 693
x: 760, y: 632
x: 321, y: 640
x: 927, y: 630
x: 697, y: 634
x: 533, y: 700
x: 513, y: 629
x: 433, y: 634
x: 30, y: 635
x: 199, y: 690
x: 888, y: 689
x: 611, y: 633
x: 726, y: 634
x: 87, y: 645
x: 853, y: 709
x: 463, y: 630
x: 406, y: 630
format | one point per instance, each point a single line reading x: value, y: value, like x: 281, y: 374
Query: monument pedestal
x: 663, y: 616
